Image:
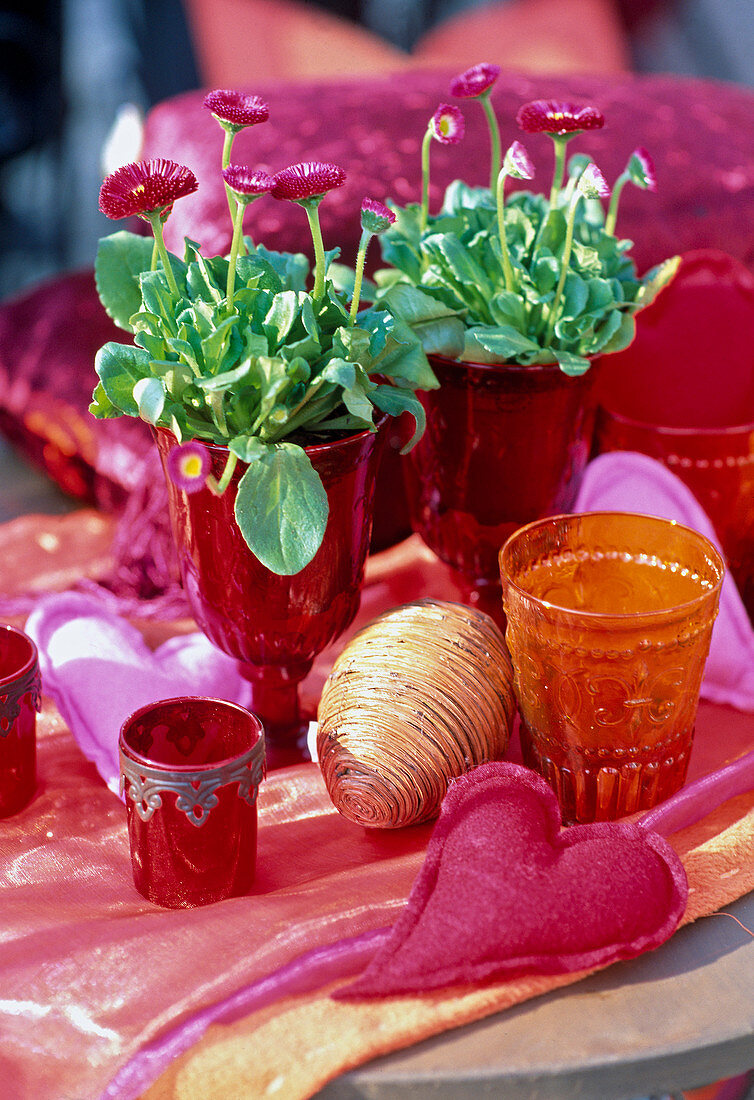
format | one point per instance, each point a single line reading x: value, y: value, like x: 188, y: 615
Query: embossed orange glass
x: 609, y: 619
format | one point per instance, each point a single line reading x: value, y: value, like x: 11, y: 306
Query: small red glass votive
x: 20, y: 699
x: 191, y: 769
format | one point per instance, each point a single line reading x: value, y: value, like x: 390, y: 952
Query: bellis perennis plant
x: 237, y: 350
x: 525, y: 279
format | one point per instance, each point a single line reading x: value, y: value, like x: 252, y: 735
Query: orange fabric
x: 545, y: 36
x: 243, y: 41
x: 304, y: 1042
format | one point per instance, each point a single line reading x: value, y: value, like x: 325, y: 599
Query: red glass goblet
x: 20, y: 699
x: 191, y: 769
x: 275, y: 626
x: 504, y: 445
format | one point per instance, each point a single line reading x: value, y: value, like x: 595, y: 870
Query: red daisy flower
x: 247, y: 182
x: 144, y: 188
x: 375, y: 216
x: 475, y: 80
x: 447, y: 124
x: 518, y: 162
x: 307, y: 180
x: 641, y: 169
x: 188, y: 465
x: 552, y: 116
x: 236, y: 109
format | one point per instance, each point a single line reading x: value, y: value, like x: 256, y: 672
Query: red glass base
x: 504, y: 445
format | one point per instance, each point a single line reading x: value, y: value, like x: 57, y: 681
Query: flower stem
x: 559, y: 141
x: 233, y: 203
x: 156, y: 222
x: 494, y: 139
x: 311, y: 206
x: 510, y: 279
x: 219, y: 487
x: 567, y: 246
x: 234, y: 249
x: 612, y: 213
x: 424, y: 214
x: 361, y: 256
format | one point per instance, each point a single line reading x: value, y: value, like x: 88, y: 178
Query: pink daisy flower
x: 551, y: 116
x: 248, y: 183
x: 307, y: 180
x: 188, y: 465
x: 145, y: 187
x: 447, y: 124
x: 475, y: 81
x: 236, y: 109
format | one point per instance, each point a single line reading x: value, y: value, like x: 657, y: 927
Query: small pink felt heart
x: 504, y: 891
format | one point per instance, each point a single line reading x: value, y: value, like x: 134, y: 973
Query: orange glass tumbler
x: 609, y: 620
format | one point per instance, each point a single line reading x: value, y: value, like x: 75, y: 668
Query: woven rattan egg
x: 418, y: 697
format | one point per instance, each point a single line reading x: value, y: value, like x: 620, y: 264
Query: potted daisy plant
x: 268, y: 389
x: 515, y: 298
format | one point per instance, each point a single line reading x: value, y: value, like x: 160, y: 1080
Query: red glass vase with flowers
x: 516, y: 298
x: 267, y: 400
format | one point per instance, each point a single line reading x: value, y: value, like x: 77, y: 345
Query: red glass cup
x: 609, y: 620
x: 275, y: 626
x: 504, y: 445
x: 191, y: 769
x: 20, y: 699
x: 717, y: 465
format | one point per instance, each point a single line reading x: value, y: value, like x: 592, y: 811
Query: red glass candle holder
x: 20, y: 699
x: 191, y: 769
x: 504, y: 445
x: 276, y: 625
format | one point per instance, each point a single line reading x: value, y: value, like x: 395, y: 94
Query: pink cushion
x: 698, y: 133
x: 539, y: 900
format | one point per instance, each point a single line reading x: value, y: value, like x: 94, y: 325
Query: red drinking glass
x: 717, y: 465
x: 683, y: 393
x: 20, y: 699
x: 275, y: 626
x: 191, y: 769
x: 504, y: 445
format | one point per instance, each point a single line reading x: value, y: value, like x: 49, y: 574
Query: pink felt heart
x: 504, y: 890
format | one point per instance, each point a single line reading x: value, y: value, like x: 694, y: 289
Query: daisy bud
x: 592, y: 183
x: 375, y: 216
x: 517, y: 162
x: 641, y: 170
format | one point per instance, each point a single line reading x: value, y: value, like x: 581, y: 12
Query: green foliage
x: 448, y: 282
x: 277, y: 364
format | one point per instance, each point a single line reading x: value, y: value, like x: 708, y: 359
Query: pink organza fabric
x: 103, y: 994
x: 97, y: 667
